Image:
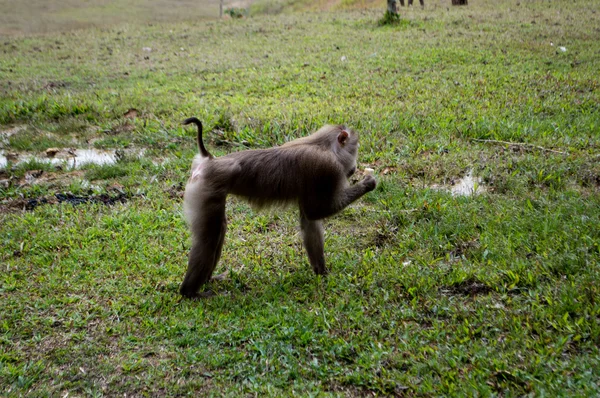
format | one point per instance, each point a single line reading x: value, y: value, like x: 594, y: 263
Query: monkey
x: 311, y: 172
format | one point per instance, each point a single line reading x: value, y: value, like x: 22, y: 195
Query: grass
x: 38, y: 16
x: 429, y: 293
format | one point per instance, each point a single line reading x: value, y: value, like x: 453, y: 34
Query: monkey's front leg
x: 312, y: 234
x: 353, y: 193
x: 208, y: 234
x: 325, y: 207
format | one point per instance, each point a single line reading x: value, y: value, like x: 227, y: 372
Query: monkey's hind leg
x: 208, y: 234
x: 222, y: 276
x: 312, y: 235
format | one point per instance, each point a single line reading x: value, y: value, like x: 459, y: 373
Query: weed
x: 394, y: 19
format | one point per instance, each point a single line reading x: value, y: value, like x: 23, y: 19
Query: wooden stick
x: 520, y: 144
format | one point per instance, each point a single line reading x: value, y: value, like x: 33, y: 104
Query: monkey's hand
x: 369, y: 182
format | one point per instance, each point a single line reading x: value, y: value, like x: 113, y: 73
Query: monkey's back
x: 283, y: 175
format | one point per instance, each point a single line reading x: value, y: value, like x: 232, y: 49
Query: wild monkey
x: 312, y: 172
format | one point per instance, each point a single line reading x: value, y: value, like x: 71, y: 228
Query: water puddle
x: 79, y: 157
x: 71, y: 158
x: 466, y: 186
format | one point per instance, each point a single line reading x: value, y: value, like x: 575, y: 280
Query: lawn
x: 492, y: 290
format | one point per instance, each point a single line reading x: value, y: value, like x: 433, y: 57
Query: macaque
x: 311, y: 172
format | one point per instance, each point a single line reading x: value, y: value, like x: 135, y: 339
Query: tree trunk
x: 391, y: 6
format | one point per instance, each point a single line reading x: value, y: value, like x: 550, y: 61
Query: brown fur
x: 310, y: 172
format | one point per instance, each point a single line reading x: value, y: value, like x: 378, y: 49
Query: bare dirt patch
x: 468, y: 287
x: 27, y: 204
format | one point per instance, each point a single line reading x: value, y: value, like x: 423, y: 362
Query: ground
x: 433, y: 290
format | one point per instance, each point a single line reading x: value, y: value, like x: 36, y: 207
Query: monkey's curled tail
x: 201, y: 147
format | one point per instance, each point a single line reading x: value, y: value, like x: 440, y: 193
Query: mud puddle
x: 108, y: 199
x: 104, y: 198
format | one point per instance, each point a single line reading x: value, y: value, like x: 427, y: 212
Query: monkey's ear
x: 343, y: 137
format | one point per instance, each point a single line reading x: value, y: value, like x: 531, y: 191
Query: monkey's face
x: 350, y: 147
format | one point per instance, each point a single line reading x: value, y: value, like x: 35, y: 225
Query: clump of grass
x: 113, y: 142
x: 34, y: 140
x: 225, y: 122
x: 236, y: 13
x: 22, y: 168
x: 105, y: 172
x: 392, y: 19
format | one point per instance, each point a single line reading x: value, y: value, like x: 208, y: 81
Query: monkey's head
x: 346, y: 148
x: 339, y: 140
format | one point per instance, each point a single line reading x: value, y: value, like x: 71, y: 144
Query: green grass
x: 429, y: 294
